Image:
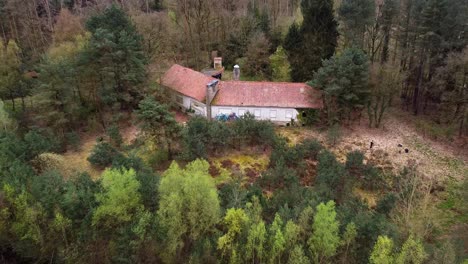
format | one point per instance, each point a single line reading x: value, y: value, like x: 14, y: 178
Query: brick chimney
x: 218, y: 63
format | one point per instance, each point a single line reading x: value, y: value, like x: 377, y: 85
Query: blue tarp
x: 226, y: 117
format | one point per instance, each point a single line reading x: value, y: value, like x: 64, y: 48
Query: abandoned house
x: 202, y: 94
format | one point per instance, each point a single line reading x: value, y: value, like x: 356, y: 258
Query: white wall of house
x: 274, y: 114
x: 189, y: 103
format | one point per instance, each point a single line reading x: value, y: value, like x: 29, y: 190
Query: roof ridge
x: 295, y: 83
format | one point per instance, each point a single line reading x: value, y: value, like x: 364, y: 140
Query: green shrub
x: 386, y: 203
x: 130, y: 162
x: 309, y: 117
x: 38, y: 143
x: 47, y: 162
x: 373, y: 179
x: 195, y: 136
x: 329, y: 171
x: 254, y: 132
x: 294, y: 156
x: 219, y: 136
x: 48, y: 189
x: 354, y: 162
x: 202, y: 136
x: 113, y: 132
x: 149, y: 183
x: 158, y: 157
x: 279, y: 152
x: 311, y: 148
x: 279, y: 175
x: 103, y: 154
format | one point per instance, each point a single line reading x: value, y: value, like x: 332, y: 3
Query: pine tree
x: 255, y: 247
x: 344, y: 80
x: 258, y: 63
x: 158, y: 123
x: 292, y: 44
x: 389, y: 11
x: 355, y: 16
x: 115, y: 52
x: 315, y: 40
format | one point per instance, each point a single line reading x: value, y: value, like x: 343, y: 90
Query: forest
x: 97, y: 165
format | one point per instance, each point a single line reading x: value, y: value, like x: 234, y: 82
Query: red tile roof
x: 239, y: 93
x: 186, y: 81
x: 268, y: 94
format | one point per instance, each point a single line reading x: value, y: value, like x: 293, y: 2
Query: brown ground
x: 434, y: 159
x: 77, y: 161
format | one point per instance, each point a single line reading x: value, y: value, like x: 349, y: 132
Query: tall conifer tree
x: 116, y: 53
x: 315, y: 40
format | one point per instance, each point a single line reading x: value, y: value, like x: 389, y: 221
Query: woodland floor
x: 434, y: 159
x: 77, y: 161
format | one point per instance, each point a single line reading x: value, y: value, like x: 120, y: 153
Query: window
x: 272, y: 114
x: 197, y: 107
x: 225, y: 111
x: 179, y: 99
x: 258, y: 113
x: 289, y: 114
x: 196, y: 104
x: 241, y: 112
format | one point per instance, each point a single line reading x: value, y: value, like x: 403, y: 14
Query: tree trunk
x: 13, y: 103
x: 386, y: 42
x: 417, y: 88
x: 462, y: 123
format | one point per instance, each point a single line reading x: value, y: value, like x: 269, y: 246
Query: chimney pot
x: 236, y: 73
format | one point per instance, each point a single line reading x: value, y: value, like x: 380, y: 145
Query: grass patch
x: 452, y: 203
x: 293, y: 135
x: 77, y: 161
x: 370, y: 197
x: 223, y: 177
x: 449, y: 203
x: 453, y: 167
x: 435, y: 131
x: 248, y: 167
x: 454, y: 164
